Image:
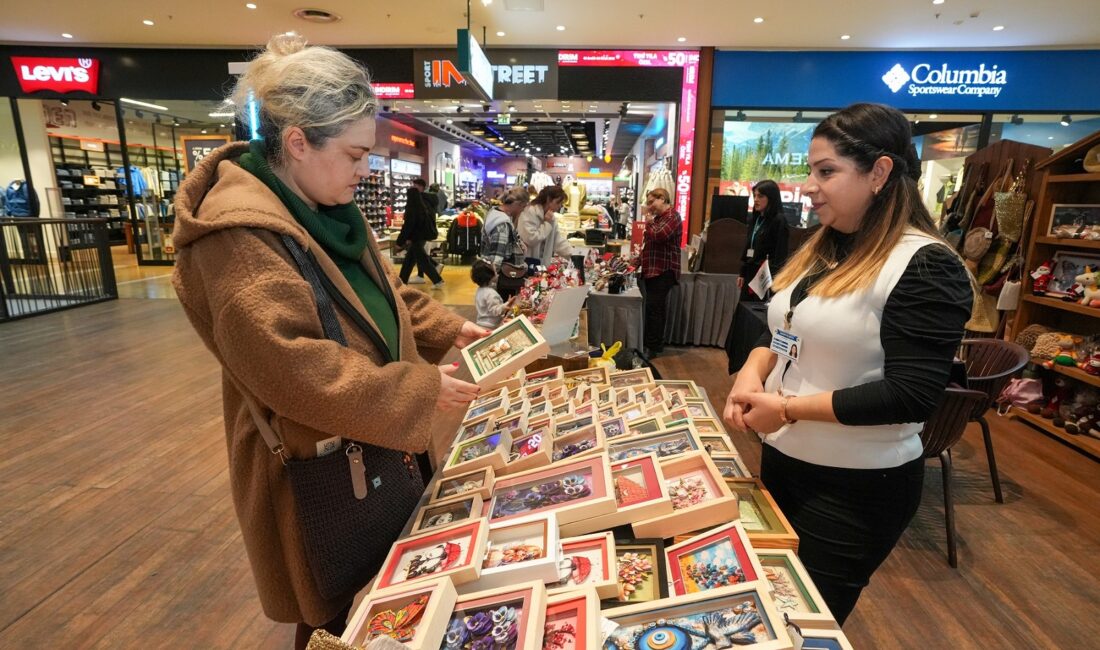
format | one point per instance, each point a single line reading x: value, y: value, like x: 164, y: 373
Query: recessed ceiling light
x: 1050, y: 137
x: 561, y: 28
x: 681, y: 39
x: 933, y: 116
x: 937, y: 2
x: 758, y: 20
x: 500, y: 33
x: 845, y: 37
x: 203, y: 131
x: 66, y: 35
x: 250, y: 5
x: 999, y: 28
x: 450, y: 121
x: 221, y: 126
x: 147, y: 22
x: 156, y: 107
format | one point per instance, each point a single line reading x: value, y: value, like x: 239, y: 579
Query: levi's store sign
x: 36, y: 73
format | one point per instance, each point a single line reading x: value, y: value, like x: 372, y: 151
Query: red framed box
x: 527, y: 602
x: 700, y: 498
x: 574, y: 491
x: 572, y: 621
x: 640, y: 493
x: 415, y: 615
x: 716, y: 558
x: 455, y: 551
x: 592, y: 563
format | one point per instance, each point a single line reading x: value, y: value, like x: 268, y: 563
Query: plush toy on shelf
x: 1089, y: 282
x: 1062, y: 394
x: 1067, y: 353
x: 1041, y: 278
x: 1083, y: 412
x: 1092, y: 365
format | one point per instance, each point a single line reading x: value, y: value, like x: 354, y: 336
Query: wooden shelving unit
x: 1062, y: 181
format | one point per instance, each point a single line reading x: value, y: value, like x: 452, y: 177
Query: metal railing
x: 51, y: 264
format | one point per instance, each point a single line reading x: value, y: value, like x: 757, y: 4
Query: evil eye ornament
x: 663, y: 635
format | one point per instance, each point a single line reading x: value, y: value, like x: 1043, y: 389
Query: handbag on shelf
x: 1019, y: 392
x: 352, y: 503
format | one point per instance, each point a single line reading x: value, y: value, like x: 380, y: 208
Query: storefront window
x: 943, y: 141
x: 11, y: 161
x: 1052, y: 131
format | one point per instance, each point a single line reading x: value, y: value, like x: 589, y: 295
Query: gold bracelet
x: 783, y: 411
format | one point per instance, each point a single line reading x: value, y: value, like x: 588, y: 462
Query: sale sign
x: 59, y: 75
x: 197, y: 147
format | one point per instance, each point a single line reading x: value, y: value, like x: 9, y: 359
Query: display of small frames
x: 517, y: 406
x: 640, y: 493
x: 699, y: 408
x: 447, y: 512
x: 793, y: 590
x: 495, y: 407
x: 507, y: 349
x: 605, y: 396
x: 538, y: 409
x: 740, y: 616
x: 716, y: 558
x: 514, y: 424
x: 640, y: 572
x: 665, y: 443
x: 700, y: 498
x: 708, y: 426
x: 530, y: 449
x: 415, y: 615
x: 508, y: 618
x: 761, y: 517
x: 476, y: 428
x: 572, y: 621
x: 519, y: 550
x: 814, y: 639
x: 731, y: 467
x: 562, y: 427
x: 598, y: 376
x: 582, y: 442
x: 643, y: 425
x: 717, y: 443
x: 587, y: 561
x: 587, y: 408
x: 686, y: 388
x: 487, y: 451
x: 550, y: 377
x: 563, y: 411
x: 478, y: 482
x: 624, y: 398
x: 574, y: 490
x: 613, y: 427
x: 456, y: 551
x: 627, y: 378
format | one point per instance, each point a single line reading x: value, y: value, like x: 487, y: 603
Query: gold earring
x: 876, y: 190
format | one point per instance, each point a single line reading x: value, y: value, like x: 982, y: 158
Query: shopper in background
x: 622, y: 217
x: 248, y: 301
x: 490, y: 308
x: 437, y: 189
x: 501, y: 246
x: 417, y: 230
x: 875, y: 303
x: 660, y: 263
x: 767, y: 237
x: 538, y: 227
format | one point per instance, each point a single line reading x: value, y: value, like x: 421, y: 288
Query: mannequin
x: 574, y: 196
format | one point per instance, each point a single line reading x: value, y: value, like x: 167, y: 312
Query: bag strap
x: 325, y: 310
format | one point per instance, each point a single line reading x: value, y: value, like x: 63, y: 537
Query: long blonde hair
x: 863, y: 133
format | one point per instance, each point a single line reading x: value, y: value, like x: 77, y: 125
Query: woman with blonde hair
x: 864, y: 326
x: 321, y: 345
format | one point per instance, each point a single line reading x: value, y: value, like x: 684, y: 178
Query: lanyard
x: 798, y: 294
x: 755, y: 229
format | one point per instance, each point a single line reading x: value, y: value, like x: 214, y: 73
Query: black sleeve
x: 922, y: 325
x: 777, y: 257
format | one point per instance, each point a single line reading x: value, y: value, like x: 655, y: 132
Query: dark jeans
x: 620, y: 230
x: 847, y: 520
x: 416, y: 255
x: 655, y: 305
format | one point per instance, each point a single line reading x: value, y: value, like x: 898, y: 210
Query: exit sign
x: 504, y: 118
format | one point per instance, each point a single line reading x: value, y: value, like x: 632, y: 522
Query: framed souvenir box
x: 665, y: 443
x: 731, y: 467
x: 496, y: 407
x: 675, y: 399
x: 538, y: 409
x: 813, y: 639
x: 761, y: 517
x: 476, y: 428
x: 491, y: 394
x: 640, y: 572
x: 709, y: 425
x: 740, y: 616
x: 658, y: 409
x: 520, y: 550
x: 455, y: 551
x: 507, y: 349
x: 550, y: 377
x: 487, y: 451
x: 588, y: 561
x: 657, y: 395
x: 680, y: 413
x: 536, y: 392
x: 512, y: 383
x: 613, y: 427
x: 697, y: 407
x: 587, y: 408
x: 684, y: 387
x: 562, y: 410
x: 1069, y: 220
x: 581, y: 393
x: 632, y: 411
x: 643, y: 425
x: 626, y: 378
x: 478, y: 482
x: 558, y: 395
x: 624, y: 397
x: 793, y: 590
x: 562, y: 427
x: 415, y: 615
x: 700, y: 498
x: 510, y: 618
x: 530, y: 449
x: 516, y: 406
x: 572, y: 621
x: 605, y: 396
x: 513, y: 424
x: 607, y: 412
x: 575, y: 490
x: 598, y: 376
x: 640, y: 493
x: 1067, y: 266
x: 445, y: 513
x: 576, y: 444
x: 717, y: 443
x: 720, y: 557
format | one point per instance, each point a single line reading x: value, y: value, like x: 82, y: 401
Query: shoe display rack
x: 373, y: 197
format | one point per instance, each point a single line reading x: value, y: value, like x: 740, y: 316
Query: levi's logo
x: 57, y: 74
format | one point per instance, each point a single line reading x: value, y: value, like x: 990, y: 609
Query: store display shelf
x: 1084, y: 443
x: 1063, y: 305
x: 1072, y: 243
x: 1076, y: 373
x: 1074, y: 178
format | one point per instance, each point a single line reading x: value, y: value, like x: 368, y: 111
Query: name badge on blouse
x: 749, y: 253
x: 786, y: 344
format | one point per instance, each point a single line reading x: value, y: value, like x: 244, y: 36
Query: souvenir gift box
x: 737, y: 616
x: 530, y: 449
x: 476, y: 427
x: 564, y: 426
x: 598, y: 376
x: 455, y: 551
x: 574, y: 490
x: 686, y: 388
x: 520, y: 550
x: 495, y: 407
x: 640, y: 572
x: 731, y: 467
x: 549, y: 378
x: 513, y: 423
x: 478, y: 482
x: 813, y: 639
x: 717, y: 443
x: 793, y: 590
x: 643, y: 425
x: 510, y: 617
x: 640, y: 493
x: 665, y: 443
x: 507, y: 349
x: 706, y: 426
x: 717, y: 558
x: 582, y: 442
x: 613, y: 427
x: 449, y: 511
x: 700, y: 498
x: 487, y: 451
x: 415, y: 615
x: 629, y: 378
x: 761, y: 517
x: 572, y: 621
x: 588, y: 561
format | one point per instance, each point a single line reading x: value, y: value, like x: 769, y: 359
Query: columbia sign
x: 57, y: 75
x: 923, y: 79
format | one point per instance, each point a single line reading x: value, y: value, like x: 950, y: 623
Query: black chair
x: 725, y: 242
x: 944, y: 428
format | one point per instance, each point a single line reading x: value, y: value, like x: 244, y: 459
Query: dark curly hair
x: 482, y: 273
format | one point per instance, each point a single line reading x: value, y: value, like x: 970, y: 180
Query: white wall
x: 11, y: 165
x: 38, y: 151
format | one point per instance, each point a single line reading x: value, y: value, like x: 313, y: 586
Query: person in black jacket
x: 419, y: 227
x: 767, y: 236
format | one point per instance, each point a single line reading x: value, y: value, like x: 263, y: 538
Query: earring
x: 876, y: 190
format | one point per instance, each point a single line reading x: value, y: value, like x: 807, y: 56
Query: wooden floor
x: 117, y: 529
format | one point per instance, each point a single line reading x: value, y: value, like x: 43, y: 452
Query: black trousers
x: 847, y: 520
x: 655, y: 292
x: 415, y: 255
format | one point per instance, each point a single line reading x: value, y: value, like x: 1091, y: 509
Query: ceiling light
x: 937, y: 2
x: 933, y: 116
x: 845, y: 37
x: 511, y: 109
x: 758, y: 20
x: 66, y: 35
x: 681, y: 39
x: 519, y: 127
x: 450, y: 121
x: 221, y: 126
x: 1066, y: 119
x: 486, y: 3
x: 561, y: 28
x: 203, y: 131
x: 147, y: 22
x: 145, y: 104
x: 477, y: 131
x: 220, y: 114
x: 999, y: 28
x: 500, y: 33
x: 1050, y: 137
x: 250, y: 5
